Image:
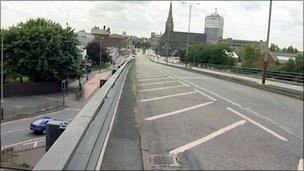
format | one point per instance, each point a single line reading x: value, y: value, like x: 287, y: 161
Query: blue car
x: 39, y: 125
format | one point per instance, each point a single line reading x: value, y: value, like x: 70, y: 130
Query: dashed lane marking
x: 160, y: 88
x: 164, y: 97
x: 207, y: 138
x: 257, y: 124
x: 177, y: 111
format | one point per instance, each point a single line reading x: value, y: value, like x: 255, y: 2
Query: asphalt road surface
x: 215, y: 124
x: 18, y: 135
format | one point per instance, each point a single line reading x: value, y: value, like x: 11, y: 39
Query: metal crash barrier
x: 82, y: 145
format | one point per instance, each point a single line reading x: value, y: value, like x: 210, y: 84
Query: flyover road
x: 210, y: 123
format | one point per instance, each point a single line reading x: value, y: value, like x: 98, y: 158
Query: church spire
x: 169, y: 23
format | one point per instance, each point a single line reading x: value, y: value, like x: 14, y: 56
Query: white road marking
x: 206, y: 138
x: 160, y: 88
x: 172, y: 78
x: 19, y: 143
x: 195, y: 78
x: 300, y: 166
x: 151, y: 76
x: 257, y: 124
x: 211, y: 92
x: 164, y: 82
x: 285, y: 128
x: 152, y: 79
x: 163, y: 97
x: 205, y: 95
x: 33, y: 142
x: 184, y: 83
x: 17, y: 130
x: 177, y: 111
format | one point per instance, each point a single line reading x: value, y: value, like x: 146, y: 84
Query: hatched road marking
x: 160, y: 88
x: 163, y: 97
x: 207, y: 138
x: 205, y: 95
x: 164, y: 82
x: 300, y: 166
x: 177, y: 111
x: 152, y: 79
x: 257, y: 124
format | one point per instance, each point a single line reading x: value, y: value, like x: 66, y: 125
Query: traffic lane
x: 16, y: 125
x: 169, y: 105
x: 249, y: 147
x: 176, y: 130
x: 18, y: 131
x: 281, y: 110
x: 170, y: 132
x: 162, y: 91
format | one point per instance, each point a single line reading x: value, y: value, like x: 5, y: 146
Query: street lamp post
x: 2, y: 101
x: 265, y: 62
x: 100, y: 49
x: 188, y: 36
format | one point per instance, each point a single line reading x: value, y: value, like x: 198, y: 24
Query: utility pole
x: 168, y: 45
x: 2, y: 100
x: 265, y: 62
x: 187, y: 50
x: 100, y: 49
x: 188, y: 37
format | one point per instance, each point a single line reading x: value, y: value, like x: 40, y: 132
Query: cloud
x: 242, y: 20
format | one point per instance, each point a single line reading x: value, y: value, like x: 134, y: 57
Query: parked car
x: 39, y: 125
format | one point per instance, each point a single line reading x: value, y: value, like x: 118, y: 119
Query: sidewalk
x: 28, y: 105
x: 275, y: 86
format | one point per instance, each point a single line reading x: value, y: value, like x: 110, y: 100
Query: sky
x: 246, y: 20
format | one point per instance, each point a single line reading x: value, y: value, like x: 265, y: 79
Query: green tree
x: 142, y: 44
x: 93, y: 51
x: 42, y: 50
x: 250, y: 55
x: 207, y: 53
x: 274, y: 48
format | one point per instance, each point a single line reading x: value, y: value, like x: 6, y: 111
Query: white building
x: 214, y: 25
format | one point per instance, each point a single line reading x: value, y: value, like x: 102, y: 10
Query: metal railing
x: 279, y: 75
x: 81, y: 146
x: 291, y: 77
